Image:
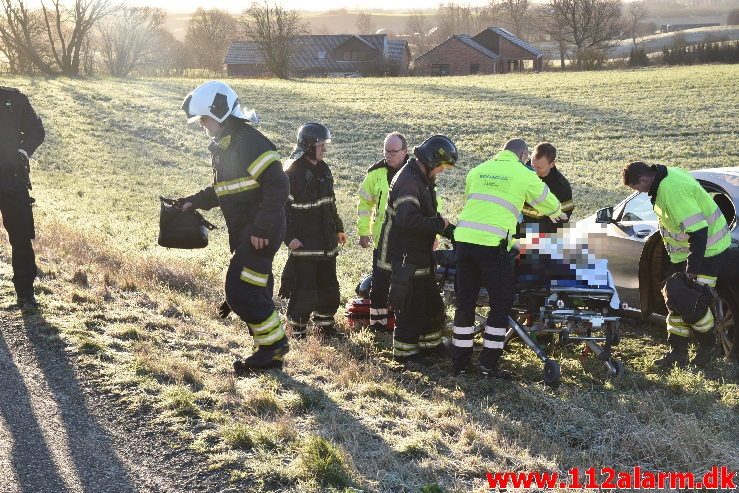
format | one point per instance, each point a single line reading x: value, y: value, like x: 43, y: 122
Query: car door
x: 621, y: 242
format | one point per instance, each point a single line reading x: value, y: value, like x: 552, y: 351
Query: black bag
x: 686, y: 297
x: 400, y: 284
x: 182, y: 229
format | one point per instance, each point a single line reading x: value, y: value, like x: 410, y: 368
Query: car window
x: 639, y: 208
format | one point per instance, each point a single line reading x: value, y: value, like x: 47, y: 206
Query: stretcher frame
x: 553, y: 311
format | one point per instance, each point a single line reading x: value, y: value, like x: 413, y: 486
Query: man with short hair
x: 495, y: 193
x: 409, y: 230
x: 251, y: 189
x: 371, y: 207
x: 22, y: 132
x: 695, y: 235
x: 543, y: 161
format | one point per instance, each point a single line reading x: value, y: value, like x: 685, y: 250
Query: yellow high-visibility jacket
x: 496, y: 191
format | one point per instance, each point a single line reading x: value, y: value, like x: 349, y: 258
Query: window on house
x: 439, y: 69
x: 474, y: 68
x: 321, y: 54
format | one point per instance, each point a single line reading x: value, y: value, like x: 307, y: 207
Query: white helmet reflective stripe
x: 216, y: 100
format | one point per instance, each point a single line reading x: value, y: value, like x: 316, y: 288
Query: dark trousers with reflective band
x: 17, y: 215
x: 379, y: 292
x: 316, y: 292
x: 710, y: 269
x: 419, y: 324
x: 491, y: 268
x: 249, y: 285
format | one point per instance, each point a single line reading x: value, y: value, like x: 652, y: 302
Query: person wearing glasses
x: 408, y: 232
x: 371, y: 213
x: 314, y: 233
x: 495, y: 193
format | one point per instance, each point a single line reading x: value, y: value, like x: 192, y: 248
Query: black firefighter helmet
x: 310, y: 135
x: 436, y: 151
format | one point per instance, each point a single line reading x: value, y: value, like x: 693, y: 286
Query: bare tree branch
x: 276, y: 31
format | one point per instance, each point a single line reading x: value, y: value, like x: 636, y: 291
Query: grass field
x: 343, y: 415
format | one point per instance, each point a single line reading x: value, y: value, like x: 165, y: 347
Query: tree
x: 419, y: 32
x: 590, y: 25
x: 53, y: 38
x: 460, y: 19
x: 516, y: 12
x: 364, y: 23
x: 208, y: 35
x: 130, y: 39
x: 276, y: 31
x: 636, y: 12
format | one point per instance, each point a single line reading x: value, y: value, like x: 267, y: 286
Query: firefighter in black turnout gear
x: 21, y: 132
x: 406, y: 244
x: 314, y: 233
x: 251, y: 188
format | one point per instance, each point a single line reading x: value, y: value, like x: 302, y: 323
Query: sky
x: 183, y: 6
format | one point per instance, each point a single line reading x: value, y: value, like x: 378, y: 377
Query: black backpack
x: 182, y: 229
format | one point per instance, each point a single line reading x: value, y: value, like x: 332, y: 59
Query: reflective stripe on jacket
x: 496, y: 191
x: 683, y: 206
x: 373, y: 201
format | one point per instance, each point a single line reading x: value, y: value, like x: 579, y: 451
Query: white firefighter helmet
x: 216, y: 100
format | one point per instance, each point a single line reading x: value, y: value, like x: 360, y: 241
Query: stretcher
x: 561, y: 292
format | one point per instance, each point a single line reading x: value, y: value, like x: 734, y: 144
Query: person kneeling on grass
x: 251, y: 188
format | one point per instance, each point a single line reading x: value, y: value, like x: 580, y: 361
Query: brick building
x: 493, y: 51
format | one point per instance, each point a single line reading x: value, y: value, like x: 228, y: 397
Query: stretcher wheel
x: 618, y: 369
x: 552, y: 373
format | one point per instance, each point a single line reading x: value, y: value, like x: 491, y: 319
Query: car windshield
x: 638, y: 208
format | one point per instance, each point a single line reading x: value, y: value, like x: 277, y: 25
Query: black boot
x: 27, y: 301
x: 677, y: 355
x: 264, y: 358
x: 707, y: 349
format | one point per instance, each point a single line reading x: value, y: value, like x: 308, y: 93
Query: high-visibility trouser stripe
x: 254, y: 277
x: 262, y: 162
x: 483, y: 227
x: 314, y: 253
x: 298, y: 328
x: 494, y: 337
x: 323, y: 319
x: 429, y: 340
x: 692, y: 220
x: 364, y: 213
x: 404, y: 199
x: 234, y: 186
x: 366, y: 196
x: 717, y: 236
x: 676, y: 325
x: 269, y: 331
x: 705, y: 323
x: 404, y: 348
x: 707, y: 280
x: 495, y: 200
x: 378, y: 311
x: 541, y: 198
x: 311, y: 205
x: 374, y: 320
x: 463, y: 336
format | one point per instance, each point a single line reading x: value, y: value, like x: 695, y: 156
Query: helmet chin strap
x: 310, y: 152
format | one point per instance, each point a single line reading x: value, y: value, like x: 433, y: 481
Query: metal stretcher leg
x: 552, y: 373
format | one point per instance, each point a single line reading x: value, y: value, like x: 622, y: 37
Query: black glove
x: 224, y: 309
x: 448, y: 232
